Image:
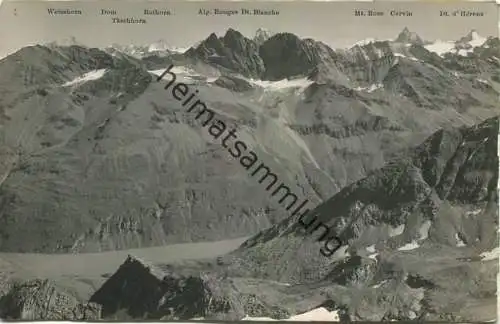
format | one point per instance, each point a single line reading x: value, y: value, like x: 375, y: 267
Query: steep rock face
x: 406, y: 36
x: 345, y: 291
x: 143, y: 291
x: 117, y: 123
x: 147, y: 169
x: 285, y: 55
x: 42, y: 300
x: 262, y: 35
x: 442, y: 194
x: 400, y: 225
x: 481, y: 60
x: 412, y: 80
x: 469, y: 41
x: 233, y: 51
x: 38, y: 66
x: 367, y: 64
x: 33, y: 70
x: 408, y: 225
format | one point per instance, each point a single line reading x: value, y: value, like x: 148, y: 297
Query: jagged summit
x: 235, y: 40
x: 472, y: 39
x: 472, y: 35
x: 414, y: 213
x: 160, y: 45
x: 160, y: 48
x: 262, y: 35
x: 233, y: 33
x: 166, y: 295
x: 408, y: 37
x: 303, y: 56
x: 68, y: 41
x: 233, y: 51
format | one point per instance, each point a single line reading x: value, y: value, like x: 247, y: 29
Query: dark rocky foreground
x: 415, y: 232
x: 40, y: 299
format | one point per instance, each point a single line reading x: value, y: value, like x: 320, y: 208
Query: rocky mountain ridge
x: 309, y: 55
x: 437, y: 191
x: 101, y: 116
x: 400, y: 251
x: 394, y: 146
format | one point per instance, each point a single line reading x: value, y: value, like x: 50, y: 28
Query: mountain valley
x: 393, y: 142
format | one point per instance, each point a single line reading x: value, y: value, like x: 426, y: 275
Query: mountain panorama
x: 117, y: 204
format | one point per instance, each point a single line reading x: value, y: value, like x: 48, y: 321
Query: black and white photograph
x: 249, y: 161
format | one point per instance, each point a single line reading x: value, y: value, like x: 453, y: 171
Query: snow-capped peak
x: 474, y: 35
x: 441, y: 47
x: 160, y: 45
x: 463, y: 46
x: 261, y: 35
x: 89, y: 76
x: 364, y: 42
x: 472, y: 39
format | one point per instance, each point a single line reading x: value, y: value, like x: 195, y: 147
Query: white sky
x: 330, y: 22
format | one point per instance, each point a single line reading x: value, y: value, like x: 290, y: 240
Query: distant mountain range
x: 440, y: 47
x: 328, y: 116
x: 395, y: 144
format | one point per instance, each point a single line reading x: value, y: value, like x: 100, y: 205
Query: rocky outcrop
x: 449, y: 179
x: 285, y: 56
x: 444, y: 189
x: 42, y: 300
x: 146, y: 291
x: 233, y: 51
x: 262, y: 35
x: 408, y: 37
x: 359, y: 108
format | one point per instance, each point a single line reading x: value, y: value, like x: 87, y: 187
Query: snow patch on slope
x: 379, y: 284
x: 440, y: 47
x: 409, y: 246
x: 459, y: 241
x: 424, y: 230
x: 395, y: 231
x: 473, y: 213
x: 301, y: 83
x: 476, y: 39
x: 371, y: 88
x: 490, y: 255
x: 92, y: 75
x: 407, y: 57
x: 364, y: 42
x: 318, y: 314
x: 184, y: 74
x: 463, y: 47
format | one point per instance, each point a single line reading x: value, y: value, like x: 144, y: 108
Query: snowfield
x: 89, y: 76
x: 318, y: 314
